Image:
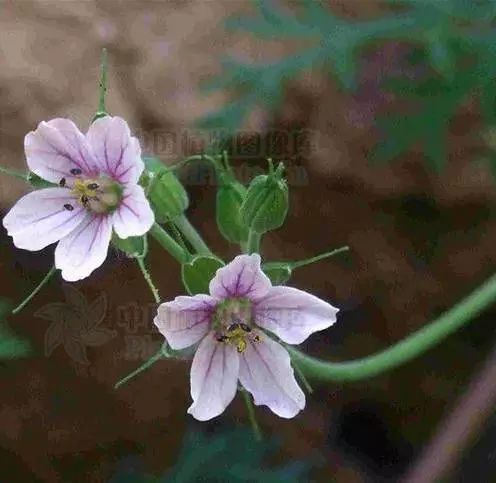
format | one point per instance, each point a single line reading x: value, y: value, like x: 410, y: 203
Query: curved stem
x: 159, y: 355
x: 302, y: 378
x: 178, y: 236
x: 251, y: 415
x: 190, y: 233
x: 253, y: 243
x: 405, y: 350
x: 148, y: 279
x: 30, y: 297
x: 167, y: 242
x: 318, y: 258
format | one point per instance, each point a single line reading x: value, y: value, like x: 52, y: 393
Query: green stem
x: 103, y: 87
x: 14, y: 173
x: 302, y: 378
x: 148, y: 279
x: 253, y: 243
x: 317, y: 258
x: 167, y: 242
x: 405, y: 350
x: 190, y: 233
x: 178, y: 236
x: 159, y: 355
x: 34, y: 292
x: 251, y: 415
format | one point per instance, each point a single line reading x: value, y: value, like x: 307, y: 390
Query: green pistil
x: 240, y: 308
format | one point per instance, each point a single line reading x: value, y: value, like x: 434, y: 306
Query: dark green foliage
x: 438, y: 97
x: 455, y: 38
x: 11, y: 346
x: 225, y: 457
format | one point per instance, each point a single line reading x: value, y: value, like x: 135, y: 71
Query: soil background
x: 419, y: 241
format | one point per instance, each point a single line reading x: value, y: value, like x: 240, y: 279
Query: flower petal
x: 243, y: 277
x: 85, y: 248
x: 117, y: 153
x: 214, y: 378
x: 133, y: 217
x: 39, y: 218
x: 56, y: 147
x: 265, y: 371
x: 293, y: 314
x: 185, y: 320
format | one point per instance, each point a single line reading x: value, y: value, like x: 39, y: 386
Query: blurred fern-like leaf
x: 456, y: 38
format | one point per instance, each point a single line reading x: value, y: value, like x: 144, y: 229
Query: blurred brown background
x: 419, y: 242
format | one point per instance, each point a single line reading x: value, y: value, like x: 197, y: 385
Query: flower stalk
x: 253, y: 243
x: 159, y: 355
x: 169, y: 244
x: 317, y: 258
x: 251, y: 415
x: 102, y: 111
x: 189, y: 232
x: 148, y: 279
x: 407, y: 349
x: 30, y: 297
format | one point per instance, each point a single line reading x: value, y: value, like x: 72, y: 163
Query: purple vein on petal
x: 269, y: 370
x: 119, y: 162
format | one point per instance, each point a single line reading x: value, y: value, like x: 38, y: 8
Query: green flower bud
x: 266, y: 202
x: 230, y: 197
x: 167, y: 195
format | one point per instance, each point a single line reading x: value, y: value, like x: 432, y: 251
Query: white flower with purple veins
x: 97, y: 176
x: 232, y: 325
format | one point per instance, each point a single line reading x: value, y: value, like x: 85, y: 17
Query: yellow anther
x: 84, y: 190
x: 98, y: 195
x: 241, y: 345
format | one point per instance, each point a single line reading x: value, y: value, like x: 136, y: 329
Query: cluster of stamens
x: 233, y: 324
x: 99, y: 195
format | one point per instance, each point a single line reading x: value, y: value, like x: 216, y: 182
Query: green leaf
x: 197, y: 273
